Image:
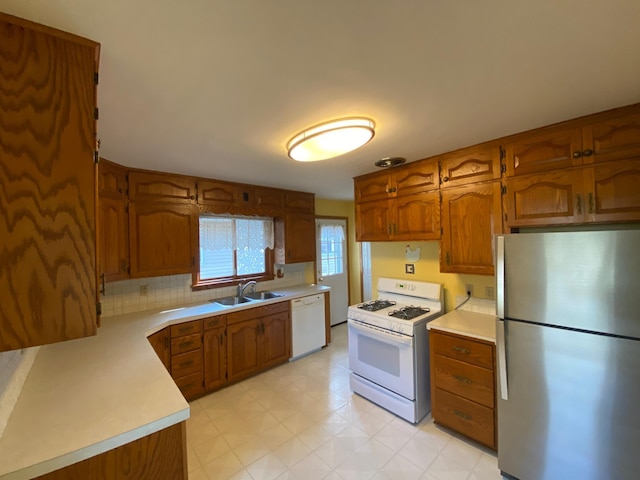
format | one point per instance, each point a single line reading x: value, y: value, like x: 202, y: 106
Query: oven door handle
x: 381, y: 334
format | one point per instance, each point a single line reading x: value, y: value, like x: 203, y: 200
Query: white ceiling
x: 216, y: 88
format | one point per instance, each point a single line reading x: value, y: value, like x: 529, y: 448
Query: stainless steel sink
x: 230, y: 301
x: 262, y: 295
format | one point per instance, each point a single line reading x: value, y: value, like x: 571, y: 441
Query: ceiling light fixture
x: 331, y: 139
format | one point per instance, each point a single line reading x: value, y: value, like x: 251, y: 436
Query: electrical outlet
x: 468, y: 288
x: 144, y: 290
x: 490, y: 293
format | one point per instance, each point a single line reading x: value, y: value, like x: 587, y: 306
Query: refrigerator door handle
x: 500, y: 276
x: 501, y: 346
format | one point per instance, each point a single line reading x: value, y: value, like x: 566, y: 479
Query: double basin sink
x: 247, y: 297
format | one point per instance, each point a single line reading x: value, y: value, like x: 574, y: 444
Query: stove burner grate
x: 376, y: 305
x: 408, y: 313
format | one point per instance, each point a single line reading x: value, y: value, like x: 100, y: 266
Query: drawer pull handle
x: 462, y: 379
x: 186, y: 344
x: 186, y: 364
x: 462, y: 415
x: 458, y: 349
x: 184, y: 329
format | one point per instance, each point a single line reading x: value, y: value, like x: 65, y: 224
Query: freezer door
x: 583, y: 280
x: 572, y: 408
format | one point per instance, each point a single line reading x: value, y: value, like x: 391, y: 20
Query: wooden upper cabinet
x: 161, y: 187
x: 540, y: 152
x: 417, y: 177
x: 272, y: 200
x: 48, y: 278
x: 373, y: 221
x: 470, y: 165
x: 224, y: 197
x: 471, y: 217
x: 163, y: 238
x: 112, y: 179
x: 613, y: 139
x: 299, y: 202
x: 553, y: 198
x: 295, y: 238
x: 614, y: 192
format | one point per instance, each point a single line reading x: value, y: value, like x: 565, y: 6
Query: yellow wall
x: 388, y: 260
x: 345, y: 208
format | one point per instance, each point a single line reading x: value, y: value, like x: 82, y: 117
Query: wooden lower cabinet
x: 463, y: 386
x: 214, y: 342
x: 471, y: 217
x: 600, y: 193
x: 158, y: 456
x: 257, y: 339
x: 186, y: 358
x: 161, y: 343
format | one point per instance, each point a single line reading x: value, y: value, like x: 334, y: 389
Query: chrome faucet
x: 241, y: 287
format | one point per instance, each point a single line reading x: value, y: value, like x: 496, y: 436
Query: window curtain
x: 331, y: 233
x: 226, y: 233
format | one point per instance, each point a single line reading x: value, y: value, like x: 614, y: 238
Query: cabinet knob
x: 588, y: 152
x: 445, y: 179
x: 577, y: 154
x: 192, y: 197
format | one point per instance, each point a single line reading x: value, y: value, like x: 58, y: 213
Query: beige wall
x: 345, y: 208
x: 388, y: 260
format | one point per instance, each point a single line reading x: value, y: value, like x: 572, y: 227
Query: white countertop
x: 86, y: 396
x: 470, y: 324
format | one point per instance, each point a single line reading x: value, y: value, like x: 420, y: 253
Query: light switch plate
x: 409, y: 268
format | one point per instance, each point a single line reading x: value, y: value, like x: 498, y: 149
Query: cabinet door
x: 471, y: 217
x: 224, y: 197
x: 295, y: 238
x: 112, y: 179
x: 615, y: 192
x: 163, y: 238
x: 215, y: 367
x: 48, y: 278
x: 470, y: 165
x: 113, y: 241
x: 300, y: 202
x: 417, y: 217
x: 161, y: 187
x: 417, y: 177
x: 557, y: 148
x: 269, y: 200
x: 553, y: 198
x: 373, y: 221
x: 615, y: 139
x: 371, y: 187
x: 276, y: 339
x: 160, y: 343
x: 242, y: 349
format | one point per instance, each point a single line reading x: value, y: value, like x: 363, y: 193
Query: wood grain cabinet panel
x: 417, y: 217
x: 242, y: 349
x: 615, y: 192
x: 215, y: 357
x: 163, y: 238
x: 225, y: 197
x: 48, y: 275
x: 299, y: 202
x: 613, y: 139
x: 471, y: 217
x: 161, y: 343
x: 463, y: 385
x: 373, y: 221
x: 113, y: 238
x: 470, y: 165
x: 295, y: 238
x: 271, y: 201
x: 417, y: 177
x: 161, y: 187
x: 276, y: 344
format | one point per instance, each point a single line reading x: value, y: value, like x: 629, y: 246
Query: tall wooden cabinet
x: 48, y: 278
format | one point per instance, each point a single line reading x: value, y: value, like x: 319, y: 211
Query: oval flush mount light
x: 390, y: 162
x: 331, y: 139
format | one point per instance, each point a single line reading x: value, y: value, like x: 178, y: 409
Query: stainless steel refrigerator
x: 568, y: 348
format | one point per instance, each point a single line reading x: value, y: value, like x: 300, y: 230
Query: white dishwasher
x: 307, y: 325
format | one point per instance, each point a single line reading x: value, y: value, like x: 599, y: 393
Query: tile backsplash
x: 136, y: 295
x: 478, y: 305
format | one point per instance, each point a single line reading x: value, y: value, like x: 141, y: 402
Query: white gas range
x: 389, y: 346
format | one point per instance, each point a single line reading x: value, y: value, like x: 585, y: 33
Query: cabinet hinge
x: 503, y: 189
x: 96, y: 76
x: 96, y: 157
x: 503, y: 168
x: 96, y: 113
x: 441, y: 231
x: 503, y: 153
x: 98, y: 308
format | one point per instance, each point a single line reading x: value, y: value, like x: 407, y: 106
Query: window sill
x: 229, y: 282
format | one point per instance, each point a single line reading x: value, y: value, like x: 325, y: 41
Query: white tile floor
x: 301, y: 421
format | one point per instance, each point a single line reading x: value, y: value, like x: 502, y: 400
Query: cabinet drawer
x: 186, y: 343
x: 215, y: 322
x: 464, y: 379
x: 191, y: 385
x: 186, y: 363
x: 464, y: 416
x: 186, y: 328
x: 463, y: 349
x: 257, y: 312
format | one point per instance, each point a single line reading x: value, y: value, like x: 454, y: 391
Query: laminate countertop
x: 87, y: 396
x: 470, y: 324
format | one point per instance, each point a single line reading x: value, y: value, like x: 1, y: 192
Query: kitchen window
x: 235, y: 248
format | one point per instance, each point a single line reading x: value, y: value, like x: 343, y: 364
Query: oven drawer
x: 470, y: 351
x: 464, y: 416
x: 464, y: 379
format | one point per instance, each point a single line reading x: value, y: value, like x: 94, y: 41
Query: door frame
x: 348, y: 251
